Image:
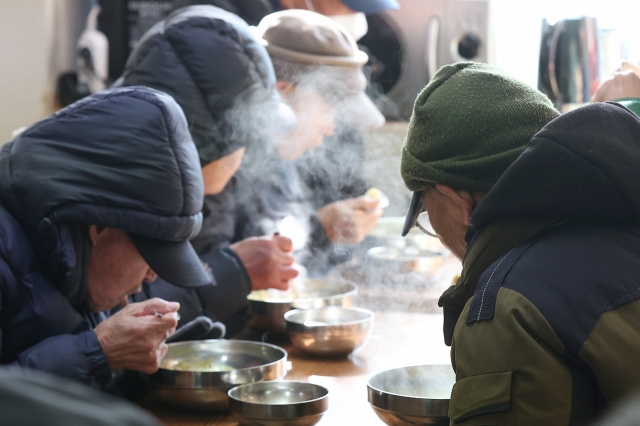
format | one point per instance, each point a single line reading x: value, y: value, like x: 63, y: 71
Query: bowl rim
x: 290, y: 410
x: 353, y: 291
x: 400, y: 397
x: 374, y: 253
x: 282, y: 351
x: 320, y: 326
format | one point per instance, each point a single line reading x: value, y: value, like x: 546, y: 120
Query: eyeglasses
x: 423, y: 222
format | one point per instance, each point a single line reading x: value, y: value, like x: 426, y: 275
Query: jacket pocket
x: 482, y: 394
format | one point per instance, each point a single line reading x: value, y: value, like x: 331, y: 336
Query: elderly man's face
x: 449, y: 212
x: 314, y: 121
x: 116, y: 269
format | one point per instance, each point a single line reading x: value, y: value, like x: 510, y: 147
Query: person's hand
x: 623, y: 84
x: 133, y: 338
x: 349, y: 221
x: 268, y: 260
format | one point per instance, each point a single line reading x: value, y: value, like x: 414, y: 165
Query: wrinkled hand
x: 624, y: 84
x: 349, y: 221
x: 268, y: 260
x: 133, y: 338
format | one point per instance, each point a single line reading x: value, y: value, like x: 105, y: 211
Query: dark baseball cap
x: 174, y: 261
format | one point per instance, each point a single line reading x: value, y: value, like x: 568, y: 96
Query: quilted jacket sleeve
x: 74, y: 356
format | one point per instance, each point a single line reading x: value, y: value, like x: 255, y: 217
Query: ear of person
x: 463, y: 199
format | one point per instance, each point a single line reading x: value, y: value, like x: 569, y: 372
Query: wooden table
x: 398, y: 340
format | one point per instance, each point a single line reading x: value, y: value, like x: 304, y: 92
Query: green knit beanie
x: 468, y: 125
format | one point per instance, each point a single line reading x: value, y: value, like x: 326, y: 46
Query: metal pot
x: 199, y: 374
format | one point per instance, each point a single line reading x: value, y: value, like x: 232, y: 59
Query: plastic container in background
x: 632, y: 103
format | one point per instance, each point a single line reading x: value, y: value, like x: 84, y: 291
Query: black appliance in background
x: 124, y: 22
x: 569, y: 64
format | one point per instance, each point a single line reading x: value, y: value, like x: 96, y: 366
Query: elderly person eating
x: 95, y: 200
x: 543, y: 210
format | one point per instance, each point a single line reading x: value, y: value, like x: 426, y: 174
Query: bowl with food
x: 199, y: 374
x: 268, y: 307
x: 280, y: 403
x: 409, y: 258
x: 412, y: 396
x: 330, y: 331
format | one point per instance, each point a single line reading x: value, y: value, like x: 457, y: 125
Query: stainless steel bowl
x: 330, y: 331
x: 278, y: 403
x: 406, y: 259
x: 269, y: 306
x: 417, y: 395
x: 198, y: 374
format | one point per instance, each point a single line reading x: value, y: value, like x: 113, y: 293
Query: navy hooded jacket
x: 122, y: 159
x: 223, y: 79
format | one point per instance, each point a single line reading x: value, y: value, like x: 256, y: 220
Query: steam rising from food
x: 283, y: 197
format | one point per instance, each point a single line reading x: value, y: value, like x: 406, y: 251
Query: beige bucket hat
x: 310, y: 49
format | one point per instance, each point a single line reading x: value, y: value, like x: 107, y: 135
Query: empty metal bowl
x: 417, y: 395
x: 198, y: 374
x: 330, y: 331
x: 269, y: 306
x: 278, y: 403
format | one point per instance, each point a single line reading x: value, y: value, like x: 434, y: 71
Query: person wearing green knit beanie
x: 468, y: 125
x: 543, y: 210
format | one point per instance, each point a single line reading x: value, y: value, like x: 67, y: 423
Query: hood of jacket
x: 215, y: 68
x: 581, y: 167
x: 122, y: 158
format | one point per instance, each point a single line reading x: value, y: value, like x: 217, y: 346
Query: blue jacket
x: 222, y: 77
x: 123, y: 159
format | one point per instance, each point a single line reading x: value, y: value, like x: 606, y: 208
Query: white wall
x: 516, y: 28
x: 38, y: 39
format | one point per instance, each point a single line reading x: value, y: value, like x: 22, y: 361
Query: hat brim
x: 415, y: 207
x: 174, y: 261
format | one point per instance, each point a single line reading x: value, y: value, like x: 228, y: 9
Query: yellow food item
x: 202, y: 366
x: 373, y: 193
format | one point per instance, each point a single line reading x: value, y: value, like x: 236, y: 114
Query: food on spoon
x: 378, y: 194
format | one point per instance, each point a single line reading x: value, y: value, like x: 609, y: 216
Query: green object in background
x: 632, y: 103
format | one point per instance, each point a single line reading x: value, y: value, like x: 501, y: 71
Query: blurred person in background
x: 95, y: 200
x: 543, y: 210
x: 222, y: 77
x: 348, y: 13
x: 319, y: 71
x: 324, y: 171
x: 623, y: 86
